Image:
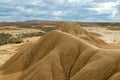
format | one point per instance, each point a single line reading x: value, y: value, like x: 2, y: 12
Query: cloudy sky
x: 60, y: 10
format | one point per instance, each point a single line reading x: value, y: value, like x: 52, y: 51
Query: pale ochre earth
x: 8, y: 50
x: 109, y: 36
x: 15, y: 31
x: 70, y: 53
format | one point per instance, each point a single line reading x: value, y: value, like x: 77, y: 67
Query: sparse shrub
x: 24, y: 25
x: 33, y: 34
x: 4, y: 36
x: 114, y: 28
x: 48, y: 29
x: 14, y: 40
x: 8, y: 39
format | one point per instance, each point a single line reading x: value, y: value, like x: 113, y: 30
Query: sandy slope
x: 69, y: 54
x: 67, y: 57
x: 110, y: 36
x: 76, y: 30
x: 14, y: 31
x: 7, y: 51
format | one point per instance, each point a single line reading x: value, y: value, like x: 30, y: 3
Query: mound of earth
x: 62, y: 56
x: 73, y: 28
x: 77, y: 30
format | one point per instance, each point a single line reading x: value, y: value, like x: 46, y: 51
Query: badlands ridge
x: 70, y: 53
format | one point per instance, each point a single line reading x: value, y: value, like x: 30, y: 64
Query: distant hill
x: 36, y: 21
x: 23, y: 22
x: 28, y: 21
x: 54, y: 22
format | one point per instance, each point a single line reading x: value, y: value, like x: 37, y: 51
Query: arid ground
x: 60, y: 51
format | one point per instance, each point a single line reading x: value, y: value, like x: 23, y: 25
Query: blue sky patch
x: 60, y: 10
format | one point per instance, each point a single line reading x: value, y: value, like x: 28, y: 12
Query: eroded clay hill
x: 72, y: 27
x: 62, y: 56
x: 69, y: 54
x: 76, y: 30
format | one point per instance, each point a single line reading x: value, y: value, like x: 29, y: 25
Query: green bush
x: 24, y: 25
x: 36, y: 26
x: 14, y: 40
x: 4, y: 36
x: 33, y: 34
x: 48, y: 29
x: 8, y: 39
